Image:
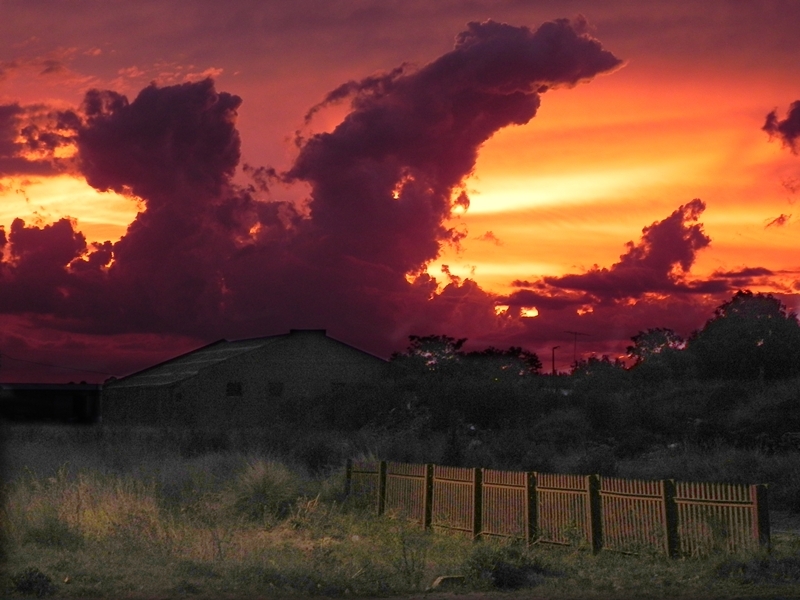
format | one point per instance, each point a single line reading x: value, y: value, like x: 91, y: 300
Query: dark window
x: 275, y: 388
x: 234, y: 388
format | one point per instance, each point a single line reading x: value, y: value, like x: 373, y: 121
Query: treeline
x: 735, y: 380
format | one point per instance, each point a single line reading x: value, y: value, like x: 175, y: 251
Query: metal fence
x: 608, y: 513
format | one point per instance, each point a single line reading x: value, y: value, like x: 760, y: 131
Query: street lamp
x: 554, y: 358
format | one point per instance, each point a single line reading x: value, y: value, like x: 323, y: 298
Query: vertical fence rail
x: 505, y: 504
x: 633, y: 515
x: 454, y: 496
x: 720, y: 517
x: 406, y: 491
x: 674, y: 518
x: 563, y: 509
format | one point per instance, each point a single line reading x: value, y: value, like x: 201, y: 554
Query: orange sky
x: 680, y: 120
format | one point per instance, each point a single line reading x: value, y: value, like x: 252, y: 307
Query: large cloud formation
x: 205, y: 258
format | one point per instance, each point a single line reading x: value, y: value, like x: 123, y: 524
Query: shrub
x: 507, y: 566
x: 32, y: 581
x: 265, y: 489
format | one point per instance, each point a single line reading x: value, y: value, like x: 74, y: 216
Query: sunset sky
x: 176, y: 172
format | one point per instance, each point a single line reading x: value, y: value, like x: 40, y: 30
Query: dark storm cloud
x: 656, y: 263
x: 383, y: 181
x: 204, y: 258
x: 167, y: 140
x: 788, y: 129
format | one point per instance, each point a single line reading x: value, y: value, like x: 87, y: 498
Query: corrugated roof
x: 188, y: 365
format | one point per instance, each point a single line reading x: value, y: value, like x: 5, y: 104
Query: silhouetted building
x: 66, y: 403
x: 246, y: 382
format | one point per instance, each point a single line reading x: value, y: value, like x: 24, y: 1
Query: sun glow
x: 529, y: 312
x: 519, y: 193
x: 101, y: 216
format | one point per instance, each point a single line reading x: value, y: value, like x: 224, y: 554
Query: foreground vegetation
x: 142, y: 513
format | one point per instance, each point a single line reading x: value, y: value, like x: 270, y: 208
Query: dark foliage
x: 32, y: 582
x: 505, y: 567
x: 761, y: 570
x: 752, y: 336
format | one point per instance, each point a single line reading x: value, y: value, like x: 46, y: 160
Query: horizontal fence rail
x: 600, y: 513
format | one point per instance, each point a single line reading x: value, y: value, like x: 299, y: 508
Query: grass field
x: 98, y: 512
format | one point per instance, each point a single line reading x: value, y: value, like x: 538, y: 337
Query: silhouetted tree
x: 430, y: 353
x: 599, y: 374
x: 514, y: 362
x: 659, y: 354
x: 650, y: 343
x: 751, y: 336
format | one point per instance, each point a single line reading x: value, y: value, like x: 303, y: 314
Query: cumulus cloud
x: 383, y: 182
x: 205, y: 258
x: 788, y: 129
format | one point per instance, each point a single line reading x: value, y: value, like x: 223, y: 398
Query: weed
x: 410, y: 554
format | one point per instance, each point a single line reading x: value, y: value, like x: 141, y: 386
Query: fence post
x: 531, y: 512
x: 427, y: 513
x: 670, y: 518
x: 595, y: 513
x: 477, y: 513
x: 381, y: 487
x: 761, y: 517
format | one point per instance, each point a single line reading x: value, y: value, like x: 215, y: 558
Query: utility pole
x: 554, y: 358
x: 575, y: 348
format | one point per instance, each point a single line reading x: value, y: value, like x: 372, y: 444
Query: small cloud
x: 791, y: 184
x: 490, y: 237
x: 93, y: 52
x: 788, y: 129
x: 52, y: 66
x: 212, y: 72
x: 779, y: 221
x: 744, y: 272
x: 131, y: 72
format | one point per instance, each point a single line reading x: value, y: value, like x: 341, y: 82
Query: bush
x: 265, y: 489
x: 32, y: 581
x: 508, y: 566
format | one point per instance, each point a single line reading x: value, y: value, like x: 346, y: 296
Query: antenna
x: 575, y: 348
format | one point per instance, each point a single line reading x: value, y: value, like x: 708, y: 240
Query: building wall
x: 251, y: 389
x: 146, y: 406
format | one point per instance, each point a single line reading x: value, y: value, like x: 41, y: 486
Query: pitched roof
x: 188, y: 365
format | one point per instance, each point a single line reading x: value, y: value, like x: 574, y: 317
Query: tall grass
x: 138, y: 514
